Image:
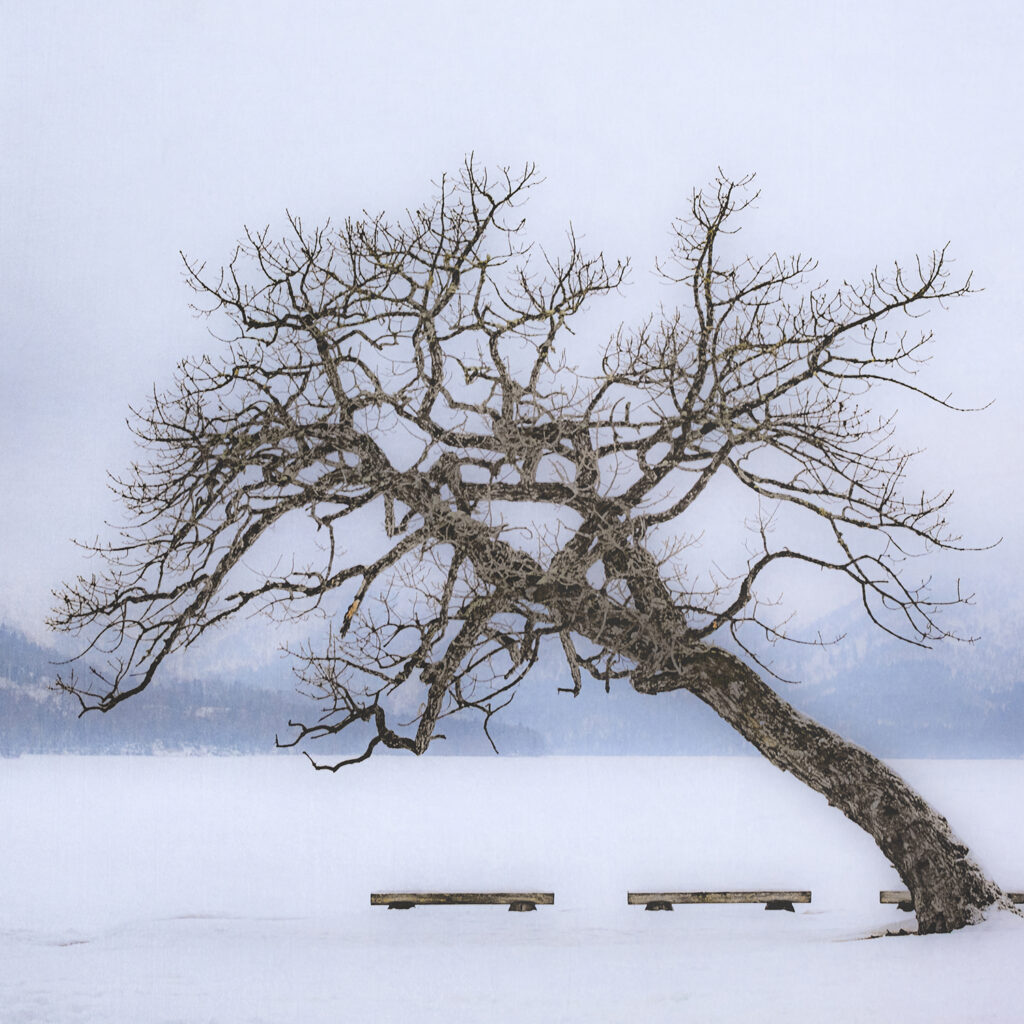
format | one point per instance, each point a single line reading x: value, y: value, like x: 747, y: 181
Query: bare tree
x: 404, y: 386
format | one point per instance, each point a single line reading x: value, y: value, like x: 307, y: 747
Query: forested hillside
x: 894, y: 701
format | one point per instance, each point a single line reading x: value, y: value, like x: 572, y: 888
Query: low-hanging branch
x: 404, y: 389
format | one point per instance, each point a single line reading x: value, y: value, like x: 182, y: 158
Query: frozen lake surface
x: 187, y: 889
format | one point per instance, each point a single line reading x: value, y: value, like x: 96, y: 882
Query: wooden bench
x: 518, y: 901
x: 775, y: 900
x: 903, y: 899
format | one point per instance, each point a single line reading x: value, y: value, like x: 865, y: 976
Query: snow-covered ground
x: 237, y: 889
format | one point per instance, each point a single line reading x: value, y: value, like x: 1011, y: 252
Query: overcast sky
x: 129, y: 131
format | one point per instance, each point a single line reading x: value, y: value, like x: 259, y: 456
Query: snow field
x: 237, y: 889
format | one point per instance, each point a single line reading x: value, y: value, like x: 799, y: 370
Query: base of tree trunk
x: 948, y: 888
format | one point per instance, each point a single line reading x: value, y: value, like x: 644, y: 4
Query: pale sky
x: 129, y: 131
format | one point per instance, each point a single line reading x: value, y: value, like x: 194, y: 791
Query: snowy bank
x: 237, y: 889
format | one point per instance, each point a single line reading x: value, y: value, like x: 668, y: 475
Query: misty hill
x: 217, y: 716
x: 893, y: 699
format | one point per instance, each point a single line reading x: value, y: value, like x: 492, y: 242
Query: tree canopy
x: 486, y: 484
x: 406, y: 387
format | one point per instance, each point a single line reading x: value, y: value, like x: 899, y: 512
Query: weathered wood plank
x: 745, y: 896
x: 894, y: 896
x: 458, y: 898
x: 902, y: 898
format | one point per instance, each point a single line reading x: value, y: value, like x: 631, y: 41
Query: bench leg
x: 658, y: 905
x: 780, y: 905
x: 401, y: 905
x: 521, y: 906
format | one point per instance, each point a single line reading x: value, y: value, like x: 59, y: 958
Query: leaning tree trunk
x: 948, y: 888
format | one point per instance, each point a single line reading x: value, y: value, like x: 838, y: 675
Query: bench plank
x: 407, y: 900
x: 772, y: 899
x: 902, y: 898
x: 745, y: 896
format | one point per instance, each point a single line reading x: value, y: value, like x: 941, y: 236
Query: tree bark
x: 948, y: 888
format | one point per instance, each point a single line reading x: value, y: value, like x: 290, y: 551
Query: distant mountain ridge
x: 895, y: 700
x: 220, y: 716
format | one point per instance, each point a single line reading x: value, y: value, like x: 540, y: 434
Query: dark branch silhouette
x: 403, y: 388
